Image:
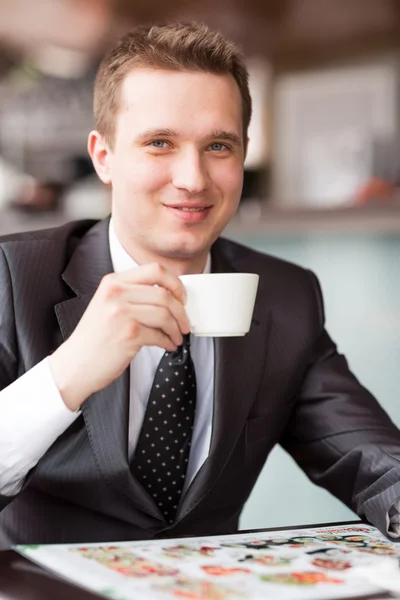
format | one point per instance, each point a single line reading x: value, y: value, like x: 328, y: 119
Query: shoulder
x: 240, y: 256
x: 282, y: 283
x: 54, y: 244
x: 55, y: 234
x: 56, y: 239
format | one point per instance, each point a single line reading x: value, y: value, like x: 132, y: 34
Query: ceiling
x: 286, y: 31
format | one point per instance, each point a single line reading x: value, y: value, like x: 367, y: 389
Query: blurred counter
x: 253, y: 219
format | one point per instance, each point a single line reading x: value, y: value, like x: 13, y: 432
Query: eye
x: 158, y: 144
x: 218, y: 146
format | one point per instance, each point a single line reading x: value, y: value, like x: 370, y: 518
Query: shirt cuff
x: 32, y: 416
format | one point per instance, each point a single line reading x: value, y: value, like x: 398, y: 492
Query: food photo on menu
x: 336, y: 562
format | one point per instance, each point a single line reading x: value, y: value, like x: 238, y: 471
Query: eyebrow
x: 227, y: 136
x: 151, y: 133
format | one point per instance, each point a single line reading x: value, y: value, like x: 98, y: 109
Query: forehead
x: 180, y: 100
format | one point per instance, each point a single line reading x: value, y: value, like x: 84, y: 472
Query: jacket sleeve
x: 341, y: 437
x: 8, y: 338
x: 32, y: 412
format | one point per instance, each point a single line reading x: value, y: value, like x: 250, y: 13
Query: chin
x: 184, y: 250
x: 181, y: 253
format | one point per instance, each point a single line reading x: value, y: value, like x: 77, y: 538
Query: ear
x: 100, y: 154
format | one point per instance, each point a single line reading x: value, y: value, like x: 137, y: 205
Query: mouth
x: 190, y: 209
x: 191, y: 214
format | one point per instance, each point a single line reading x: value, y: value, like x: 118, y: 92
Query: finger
x: 157, y: 296
x: 158, y: 317
x: 155, y: 337
x: 155, y: 274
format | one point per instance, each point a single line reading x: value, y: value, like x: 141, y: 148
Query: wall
x: 360, y: 277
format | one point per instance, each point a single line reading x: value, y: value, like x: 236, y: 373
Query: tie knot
x: 186, y: 340
x: 182, y: 353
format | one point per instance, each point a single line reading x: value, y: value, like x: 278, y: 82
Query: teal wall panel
x: 360, y: 278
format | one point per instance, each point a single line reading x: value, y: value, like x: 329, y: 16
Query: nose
x: 190, y: 172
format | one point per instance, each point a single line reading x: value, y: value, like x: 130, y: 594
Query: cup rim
x: 236, y: 274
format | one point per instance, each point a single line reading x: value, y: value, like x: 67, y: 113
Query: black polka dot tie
x: 162, y: 452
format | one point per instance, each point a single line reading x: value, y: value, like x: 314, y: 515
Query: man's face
x: 176, y: 166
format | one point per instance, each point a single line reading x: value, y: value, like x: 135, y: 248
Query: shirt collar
x: 122, y: 261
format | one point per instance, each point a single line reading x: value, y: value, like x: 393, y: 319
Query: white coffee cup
x: 220, y: 304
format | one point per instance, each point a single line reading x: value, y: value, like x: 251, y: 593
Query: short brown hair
x: 176, y: 46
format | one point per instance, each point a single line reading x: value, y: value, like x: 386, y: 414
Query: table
x: 21, y: 579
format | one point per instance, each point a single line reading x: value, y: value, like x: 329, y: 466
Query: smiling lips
x: 190, y: 208
x: 189, y: 213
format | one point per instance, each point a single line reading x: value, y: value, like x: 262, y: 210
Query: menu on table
x: 330, y: 562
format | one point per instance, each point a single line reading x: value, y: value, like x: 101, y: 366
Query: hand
x: 140, y: 307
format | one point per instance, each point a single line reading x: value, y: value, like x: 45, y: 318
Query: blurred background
x: 322, y: 175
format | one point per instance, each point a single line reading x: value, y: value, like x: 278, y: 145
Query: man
x: 93, y: 318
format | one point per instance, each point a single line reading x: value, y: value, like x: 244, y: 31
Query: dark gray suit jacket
x: 283, y: 382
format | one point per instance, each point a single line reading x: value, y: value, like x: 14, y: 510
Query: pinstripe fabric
x: 293, y: 388
x: 8, y: 346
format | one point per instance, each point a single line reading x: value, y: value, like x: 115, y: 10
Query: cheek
x: 230, y: 182
x: 155, y: 176
x: 141, y: 176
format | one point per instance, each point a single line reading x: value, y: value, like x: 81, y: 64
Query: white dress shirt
x: 33, y: 414
x: 143, y: 368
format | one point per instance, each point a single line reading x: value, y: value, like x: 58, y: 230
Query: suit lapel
x: 106, y: 413
x: 238, y: 368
